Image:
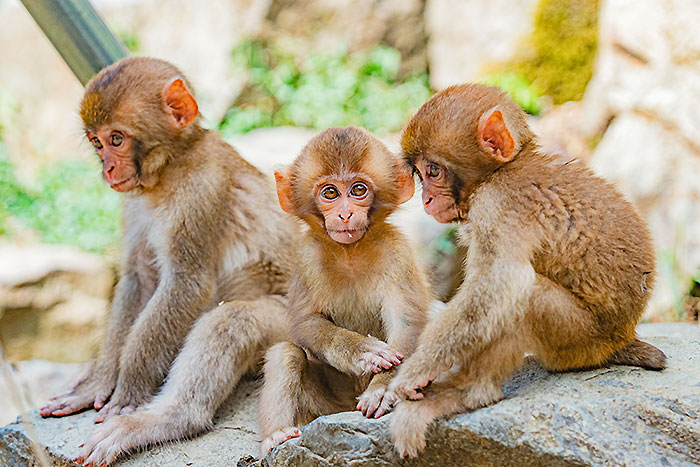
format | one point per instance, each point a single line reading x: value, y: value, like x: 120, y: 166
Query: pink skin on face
x: 114, y: 148
x: 438, y: 200
x: 345, y: 207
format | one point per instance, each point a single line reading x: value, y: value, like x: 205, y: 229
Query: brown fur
x: 347, y: 301
x: 559, y: 264
x: 205, y: 269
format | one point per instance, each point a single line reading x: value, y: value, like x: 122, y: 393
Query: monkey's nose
x: 345, y: 219
x: 110, y: 169
x: 428, y: 201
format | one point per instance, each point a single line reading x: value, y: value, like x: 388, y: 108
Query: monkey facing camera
x: 358, y: 300
x: 558, y: 265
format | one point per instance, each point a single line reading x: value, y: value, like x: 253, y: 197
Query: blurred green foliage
x: 69, y: 204
x: 362, y: 88
x: 130, y: 40
x: 522, y: 91
x: 562, y: 48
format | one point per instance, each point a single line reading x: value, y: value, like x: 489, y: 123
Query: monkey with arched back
x: 559, y: 264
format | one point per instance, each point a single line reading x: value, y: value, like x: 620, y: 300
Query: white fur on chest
x: 143, y: 223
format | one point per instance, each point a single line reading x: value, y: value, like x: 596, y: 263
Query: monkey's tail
x: 638, y: 353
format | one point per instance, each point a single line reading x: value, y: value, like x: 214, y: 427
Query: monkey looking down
x: 358, y: 300
x: 205, y: 263
x: 559, y: 264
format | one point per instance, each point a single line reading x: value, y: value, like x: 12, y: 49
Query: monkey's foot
x: 278, y: 437
x: 376, y: 401
x: 86, y: 393
x: 377, y: 356
x: 408, y: 428
x: 109, y: 440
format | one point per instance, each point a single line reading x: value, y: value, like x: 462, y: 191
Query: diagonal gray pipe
x: 78, y: 34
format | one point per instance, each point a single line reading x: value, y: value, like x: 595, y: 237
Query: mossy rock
x: 560, y: 54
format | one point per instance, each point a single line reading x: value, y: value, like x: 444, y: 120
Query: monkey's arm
x: 490, y: 302
x: 404, y: 315
x: 186, y: 286
x: 345, y: 350
x: 97, y: 383
x: 156, y: 336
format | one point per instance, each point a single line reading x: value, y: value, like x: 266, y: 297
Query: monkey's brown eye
x: 358, y: 190
x: 117, y: 139
x: 329, y: 192
x: 433, y: 170
x: 96, y: 142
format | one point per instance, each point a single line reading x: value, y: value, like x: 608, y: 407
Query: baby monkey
x: 358, y: 300
x: 559, y: 264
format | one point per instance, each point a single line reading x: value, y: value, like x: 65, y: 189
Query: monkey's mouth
x: 444, y: 215
x: 346, y: 235
x: 124, y: 185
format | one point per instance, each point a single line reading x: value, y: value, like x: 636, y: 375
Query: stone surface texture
x: 468, y: 36
x: 612, y: 416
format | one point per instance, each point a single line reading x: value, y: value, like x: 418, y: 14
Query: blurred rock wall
x: 466, y: 36
x: 644, y: 99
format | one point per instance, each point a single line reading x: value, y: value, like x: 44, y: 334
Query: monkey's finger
x: 107, y: 412
x: 390, y: 355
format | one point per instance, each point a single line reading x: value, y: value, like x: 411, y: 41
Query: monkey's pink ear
x: 283, y: 179
x: 180, y: 104
x: 494, y: 136
x: 406, y: 186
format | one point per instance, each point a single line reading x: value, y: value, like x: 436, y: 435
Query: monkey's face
x: 438, y: 195
x: 345, y: 206
x: 114, y: 146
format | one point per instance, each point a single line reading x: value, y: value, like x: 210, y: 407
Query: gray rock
x: 234, y: 437
x: 615, y: 416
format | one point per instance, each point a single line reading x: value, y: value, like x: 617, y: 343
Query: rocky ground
x: 612, y: 416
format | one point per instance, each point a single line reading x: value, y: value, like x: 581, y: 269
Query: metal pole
x: 78, y: 34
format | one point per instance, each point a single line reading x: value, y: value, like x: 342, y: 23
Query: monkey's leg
x: 475, y: 385
x: 96, y: 384
x: 569, y: 336
x: 296, y: 391
x: 221, y: 347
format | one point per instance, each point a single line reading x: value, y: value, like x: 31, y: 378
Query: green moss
x: 524, y: 93
x: 562, y: 48
x: 13, y: 197
x: 325, y: 89
x: 70, y: 205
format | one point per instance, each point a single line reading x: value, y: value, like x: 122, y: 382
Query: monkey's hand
x: 409, y: 382
x: 376, y: 401
x: 92, y: 389
x: 375, y: 356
